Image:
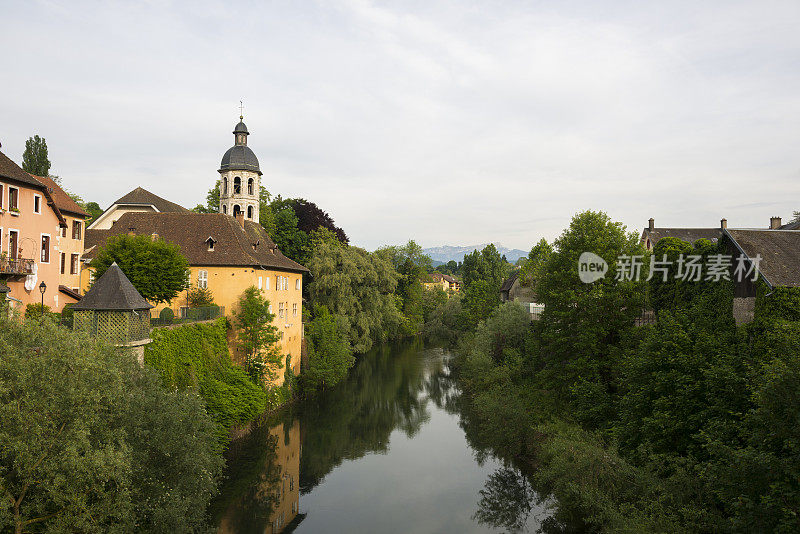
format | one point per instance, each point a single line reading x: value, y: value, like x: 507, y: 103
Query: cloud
x: 443, y: 122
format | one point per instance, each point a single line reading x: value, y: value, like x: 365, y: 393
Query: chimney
x: 651, y: 224
x: 132, y: 230
x: 240, y: 218
x: 774, y: 223
x: 723, y: 223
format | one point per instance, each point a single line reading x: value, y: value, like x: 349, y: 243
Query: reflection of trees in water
x: 506, y: 500
x: 247, y: 495
x: 383, y: 392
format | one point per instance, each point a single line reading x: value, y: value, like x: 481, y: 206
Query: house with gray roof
x: 139, y: 200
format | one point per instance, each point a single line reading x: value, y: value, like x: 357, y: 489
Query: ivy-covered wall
x: 196, y: 357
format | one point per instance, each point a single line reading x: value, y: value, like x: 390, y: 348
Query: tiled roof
x: 9, y: 169
x: 779, y: 251
x: 112, y: 291
x: 233, y: 245
x: 61, y: 199
x: 144, y: 197
x: 449, y: 279
x: 510, y: 281
x: 686, y: 234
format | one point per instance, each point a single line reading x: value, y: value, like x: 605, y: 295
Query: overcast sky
x: 446, y: 122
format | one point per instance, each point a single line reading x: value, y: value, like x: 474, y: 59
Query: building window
x: 250, y: 186
x: 73, y: 264
x: 202, y: 279
x: 225, y: 209
x: 294, y: 309
x: 37, y: 204
x: 225, y: 186
x: 63, y: 263
x: 13, y: 199
x: 76, y: 229
x: 237, y: 186
x: 63, y: 231
x: 13, y: 241
x: 280, y: 310
x: 1, y: 196
x: 266, y: 283
x: 260, y: 282
x: 297, y: 283
x: 236, y: 210
x: 270, y: 306
x: 45, y: 248
x: 249, y: 212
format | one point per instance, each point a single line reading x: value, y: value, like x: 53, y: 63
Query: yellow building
x: 444, y: 281
x: 226, y: 256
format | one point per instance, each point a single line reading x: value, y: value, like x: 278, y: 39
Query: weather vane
x: 241, y: 110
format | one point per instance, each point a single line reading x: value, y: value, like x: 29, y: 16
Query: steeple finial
x: 241, y: 111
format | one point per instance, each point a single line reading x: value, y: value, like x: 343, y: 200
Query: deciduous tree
x: 34, y: 159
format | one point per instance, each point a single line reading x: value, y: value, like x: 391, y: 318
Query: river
x: 384, y: 451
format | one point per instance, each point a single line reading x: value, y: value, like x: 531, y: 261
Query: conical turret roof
x: 113, y: 292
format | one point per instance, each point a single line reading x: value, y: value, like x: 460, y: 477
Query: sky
x: 450, y: 123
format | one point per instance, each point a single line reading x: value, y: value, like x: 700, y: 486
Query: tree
x: 330, y: 357
x: 34, y: 159
x: 483, y: 273
x: 257, y: 337
x: 92, y: 442
x: 310, y: 217
x: 94, y: 210
x: 157, y: 269
x: 200, y: 296
x: 212, y: 201
x: 532, y: 267
x: 583, y: 324
x: 357, y: 287
x: 292, y: 241
x: 412, y: 266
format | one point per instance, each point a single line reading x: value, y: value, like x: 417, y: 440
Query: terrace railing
x: 18, y: 266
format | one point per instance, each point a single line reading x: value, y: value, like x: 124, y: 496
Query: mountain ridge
x: 445, y: 253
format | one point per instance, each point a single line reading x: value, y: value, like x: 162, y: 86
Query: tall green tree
x: 584, y: 324
x: 257, y: 336
x: 157, y: 269
x: 483, y: 273
x: 357, y: 287
x: 412, y: 265
x: 34, y: 159
x: 531, y: 269
x: 330, y: 356
x: 92, y: 442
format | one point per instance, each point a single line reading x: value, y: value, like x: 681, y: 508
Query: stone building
x: 240, y: 178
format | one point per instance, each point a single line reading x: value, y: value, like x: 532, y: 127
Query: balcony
x: 16, y: 267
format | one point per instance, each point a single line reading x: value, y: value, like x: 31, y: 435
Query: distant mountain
x: 445, y: 253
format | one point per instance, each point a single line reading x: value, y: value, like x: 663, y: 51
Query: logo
x: 591, y: 267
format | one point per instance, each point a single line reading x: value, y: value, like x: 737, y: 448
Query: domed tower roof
x: 239, y: 157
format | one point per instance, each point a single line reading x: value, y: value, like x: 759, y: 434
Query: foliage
x: 92, y: 442
x: 310, y: 217
x: 357, y: 287
x: 412, y: 267
x: 212, y: 201
x: 445, y: 318
x: 483, y: 273
x: 35, y: 310
x: 200, y: 296
x: 34, y: 159
x: 533, y: 266
x: 195, y: 357
x: 167, y: 315
x: 292, y: 241
x: 257, y: 336
x: 329, y: 354
x: 156, y: 269
x: 583, y: 325
x: 94, y: 210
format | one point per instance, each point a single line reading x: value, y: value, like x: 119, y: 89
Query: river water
x: 384, y: 452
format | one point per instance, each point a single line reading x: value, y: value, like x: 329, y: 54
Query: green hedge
x: 196, y: 357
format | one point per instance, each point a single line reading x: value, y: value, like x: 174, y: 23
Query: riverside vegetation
x: 687, y: 425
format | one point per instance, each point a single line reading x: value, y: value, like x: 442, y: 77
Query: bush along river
x: 384, y: 451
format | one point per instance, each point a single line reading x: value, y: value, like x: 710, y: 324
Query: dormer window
x: 210, y: 243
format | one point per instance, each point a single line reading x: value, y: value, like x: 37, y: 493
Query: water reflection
x: 334, y: 455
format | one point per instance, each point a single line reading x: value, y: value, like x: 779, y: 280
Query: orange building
x: 226, y: 256
x: 33, y: 234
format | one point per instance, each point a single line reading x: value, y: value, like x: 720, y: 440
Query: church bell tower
x: 240, y: 177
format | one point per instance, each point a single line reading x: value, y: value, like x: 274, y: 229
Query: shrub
x: 35, y: 311
x: 167, y: 316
